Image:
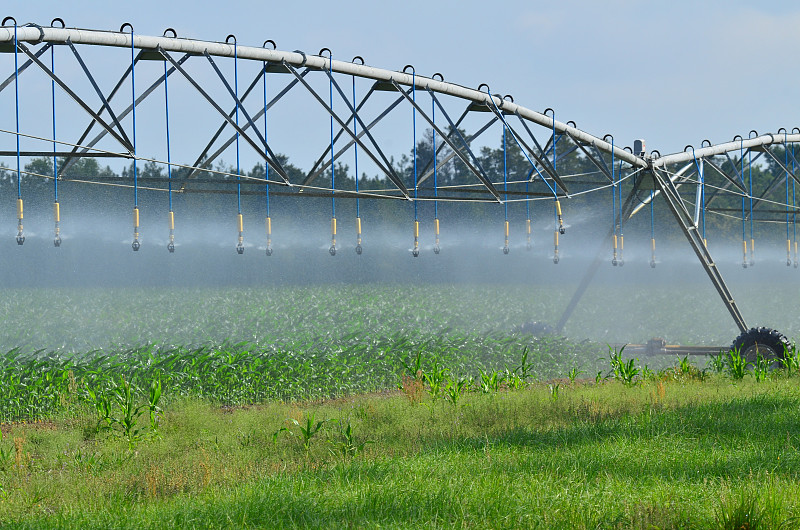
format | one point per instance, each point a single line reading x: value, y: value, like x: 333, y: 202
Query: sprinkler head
x: 171, y: 247
x: 788, y: 262
x: 652, y: 264
x: 556, y: 259
x: 135, y: 245
x: 436, y: 249
x: 269, y: 251
x: 57, y: 241
x: 744, y: 264
x: 240, y: 249
x: 20, y: 239
x: 332, y: 250
x: 359, y: 250
x: 614, y: 262
x: 505, y: 250
x: 415, y: 252
x: 562, y: 230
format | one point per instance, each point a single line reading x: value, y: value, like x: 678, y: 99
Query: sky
x: 673, y: 73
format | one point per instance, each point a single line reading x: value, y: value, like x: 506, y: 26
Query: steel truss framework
x: 691, y: 183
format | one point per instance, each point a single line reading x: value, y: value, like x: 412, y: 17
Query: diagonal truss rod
x: 102, y: 133
x: 203, y: 162
x: 476, y: 169
x: 685, y: 223
x: 542, y: 158
x: 427, y: 173
x: 387, y: 171
x: 76, y: 98
x: 313, y: 173
x: 361, y: 122
x: 99, y: 92
x: 25, y: 65
x: 627, y: 212
x: 317, y: 170
x: 238, y: 129
x: 725, y: 175
x: 240, y: 106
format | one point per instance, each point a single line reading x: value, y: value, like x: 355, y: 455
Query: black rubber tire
x: 770, y: 343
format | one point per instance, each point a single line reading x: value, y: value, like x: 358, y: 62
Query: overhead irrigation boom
x: 249, y: 96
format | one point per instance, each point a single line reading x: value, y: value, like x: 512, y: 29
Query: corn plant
x: 717, y: 363
x: 524, y: 369
x: 573, y: 374
x: 513, y: 380
x: 118, y: 411
x: 455, y: 389
x: 308, y: 429
x: 761, y: 367
x: 623, y: 370
x: 490, y: 381
x: 790, y: 360
x: 554, y: 388
x: 348, y: 446
x: 413, y: 367
x: 435, y: 378
x: 737, y: 364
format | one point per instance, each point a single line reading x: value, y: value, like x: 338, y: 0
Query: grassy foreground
x: 672, y: 452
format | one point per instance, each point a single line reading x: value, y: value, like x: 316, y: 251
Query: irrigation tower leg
x: 689, y: 229
x: 598, y: 260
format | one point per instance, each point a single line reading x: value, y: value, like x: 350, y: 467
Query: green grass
x: 661, y: 454
x: 372, y: 406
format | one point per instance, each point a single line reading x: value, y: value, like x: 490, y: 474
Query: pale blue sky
x: 671, y: 72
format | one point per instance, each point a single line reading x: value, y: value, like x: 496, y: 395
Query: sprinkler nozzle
x: 415, y: 252
x: 614, y: 261
x: 171, y: 247
x: 652, y: 264
x: 332, y: 250
x: 136, y: 245
x: 436, y: 249
x: 269, y: 251
x: 556, y: 259
x: 239, y: 248
x: 57, y: 241
x: 359, y: 250
x: 562, y: 230
x: 505, y: 249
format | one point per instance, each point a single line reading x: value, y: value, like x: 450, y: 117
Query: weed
x: 412, y: 387
x: 554, y: 388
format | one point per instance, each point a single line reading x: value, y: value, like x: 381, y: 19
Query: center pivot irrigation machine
x: 345, y: 107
